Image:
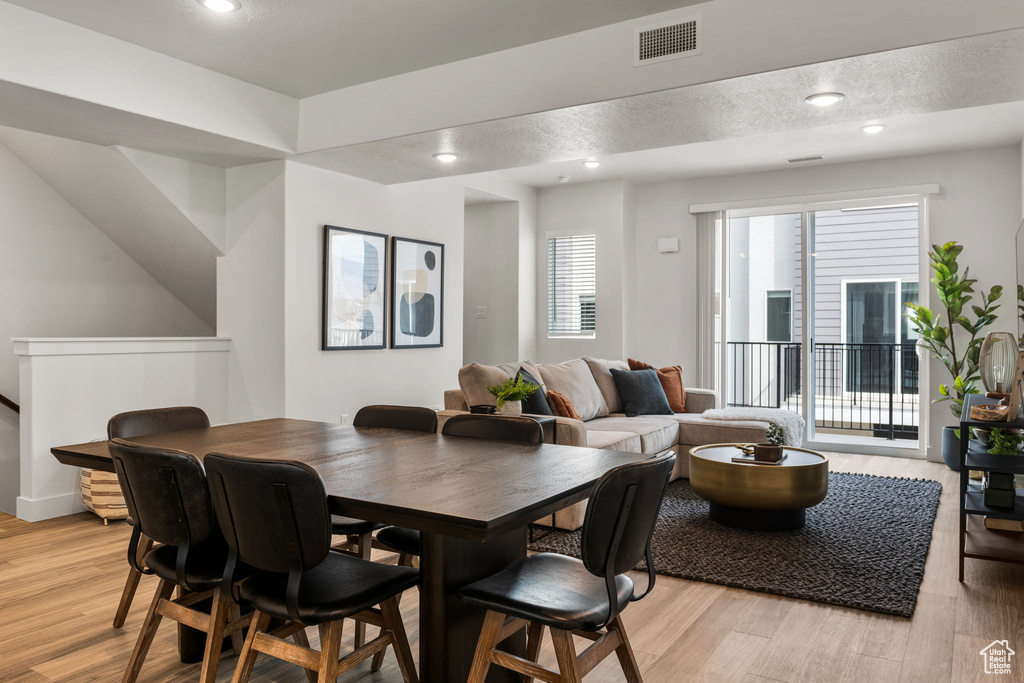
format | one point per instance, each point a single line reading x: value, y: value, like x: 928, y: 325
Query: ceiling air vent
x: 667, y: 41
x: 800, y: 160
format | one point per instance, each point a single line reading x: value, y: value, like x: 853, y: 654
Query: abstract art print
x: 355, y: 289
x: 417, y: 308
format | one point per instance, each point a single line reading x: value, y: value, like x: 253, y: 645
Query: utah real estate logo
x: 997, y: 657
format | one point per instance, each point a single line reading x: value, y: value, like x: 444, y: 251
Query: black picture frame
x: 375, y: 303
x: 402, y: 261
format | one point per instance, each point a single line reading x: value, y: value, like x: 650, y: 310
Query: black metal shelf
x: 990, y: 462
x: 976, y: 541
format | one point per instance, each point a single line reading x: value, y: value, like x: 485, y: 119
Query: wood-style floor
x: 60, y: 581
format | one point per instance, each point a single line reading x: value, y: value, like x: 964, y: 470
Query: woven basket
x: 101, y: 494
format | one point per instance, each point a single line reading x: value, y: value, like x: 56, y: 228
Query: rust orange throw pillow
x: 562, y: 405
x: 671, y: 379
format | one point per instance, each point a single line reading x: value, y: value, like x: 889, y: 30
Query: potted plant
x: 1004, y: 442
x: 939, y: 334
x: 772, y: 450
x: 510, y: 394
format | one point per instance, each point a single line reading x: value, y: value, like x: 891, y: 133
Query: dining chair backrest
x: 621, y: 515
x: 273, y: 513
x: 412, y: 418
x: 156, y: 421
x: 166, y: 492
x: 494, y: 427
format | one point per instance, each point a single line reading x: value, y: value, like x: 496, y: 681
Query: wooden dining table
x: 471, y: 499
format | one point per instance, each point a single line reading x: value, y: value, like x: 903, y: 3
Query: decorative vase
x: 951, y: 448
x: 512, y: 408
x: 997, y: 361
x: 767, y: 452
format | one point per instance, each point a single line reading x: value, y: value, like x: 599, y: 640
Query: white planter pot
x: 512, y: 408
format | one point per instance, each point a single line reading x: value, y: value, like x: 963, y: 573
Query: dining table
x: 472, y: 500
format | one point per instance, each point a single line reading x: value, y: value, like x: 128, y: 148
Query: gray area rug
x: 864, y: 546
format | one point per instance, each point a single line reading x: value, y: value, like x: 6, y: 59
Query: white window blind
x: 572, y: 280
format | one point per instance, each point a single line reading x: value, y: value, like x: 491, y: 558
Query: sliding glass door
x: 814, y: 318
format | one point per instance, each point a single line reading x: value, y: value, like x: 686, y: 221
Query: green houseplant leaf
x: 512, y: 389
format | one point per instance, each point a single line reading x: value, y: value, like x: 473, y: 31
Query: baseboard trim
x: 39, y: 509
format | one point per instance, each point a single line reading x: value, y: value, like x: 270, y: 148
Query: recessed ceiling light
x: 873, y: 128
x: 825, y: 99
x: 591, y: 163
x: 221, y: 5
x: 446, y: 157
x: 563, y: 178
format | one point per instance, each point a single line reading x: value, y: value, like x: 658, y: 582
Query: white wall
x: 250, y: 290
x: 980, y: 206
x: 586, y: 209
x: 492, y: 281
x: 71, y: 387
x: 61, y: 276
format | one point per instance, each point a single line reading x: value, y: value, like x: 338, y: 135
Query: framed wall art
x: 417, y: 293
x: 355, y: 289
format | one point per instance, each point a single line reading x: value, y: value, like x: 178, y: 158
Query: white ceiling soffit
x: 954, y: 74
x: 307, y: 47
x: 52, y: 114
x: 116, y: 197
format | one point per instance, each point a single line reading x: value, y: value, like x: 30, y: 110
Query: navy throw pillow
x: 641, y: 392
x: 538, y: 403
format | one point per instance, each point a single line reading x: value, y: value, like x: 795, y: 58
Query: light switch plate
x: 667, y: 245
x: 481, y: 311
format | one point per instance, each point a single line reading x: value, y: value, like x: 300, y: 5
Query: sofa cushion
x: 562, y: 405
x: 537, y: 404
x: 574, y: 380
x: 615, y: 441
x: 601, y: 370
x: 671, y: 379
x: 698, y: 430
x: 475, y: 378
x: 641, y: 392
x: 656, y: 433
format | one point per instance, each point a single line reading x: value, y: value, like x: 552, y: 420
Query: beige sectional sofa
x: 588, y: 383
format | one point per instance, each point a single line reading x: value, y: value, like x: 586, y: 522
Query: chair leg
x: 237, y: 638
x: 215, y: 636
x: 300, y: 639
x: 565, y: 654
x: 393, y: 622
x: 365, y: 546
x: 534, y: 636
x: 493, y: 622
x: 330, y: 650
x: 149, y: 626
x: 243, y: 669
x: 625, y: 653
x: 131, y: 584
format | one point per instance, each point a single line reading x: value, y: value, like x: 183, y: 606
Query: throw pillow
x: 671, y: 379
x: 538, y: 403
x: 641, y: 393
x: 600, y: 368
x: 562, y: 406
x: 574, y: 380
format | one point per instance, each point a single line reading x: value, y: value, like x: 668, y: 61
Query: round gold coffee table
x: 758, y: 497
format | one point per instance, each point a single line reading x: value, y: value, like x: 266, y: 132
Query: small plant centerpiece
x: 951, y: 335
x: 511, y: 393
x: 771, y: 451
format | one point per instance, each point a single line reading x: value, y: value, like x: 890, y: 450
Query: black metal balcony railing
x: 867, y: 388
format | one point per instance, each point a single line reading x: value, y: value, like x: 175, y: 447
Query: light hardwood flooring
x: 60, y: 581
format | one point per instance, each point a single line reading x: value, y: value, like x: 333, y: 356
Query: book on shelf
x: 996, y: 524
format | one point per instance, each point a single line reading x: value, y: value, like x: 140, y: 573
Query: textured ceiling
x: 956, y: 74
x: 307, y: 47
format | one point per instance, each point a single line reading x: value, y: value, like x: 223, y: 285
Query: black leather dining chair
x: 139, y: 423
x: 407, y: 541
x: 275, y: 518
x: 359, y: 533
x: 502, y: 428
x: 577, y: 597
x: 169, y: 502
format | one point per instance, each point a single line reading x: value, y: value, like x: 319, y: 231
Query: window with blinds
x: 572, y: 280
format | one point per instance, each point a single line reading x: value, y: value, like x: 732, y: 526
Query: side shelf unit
x: 975, y: 540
